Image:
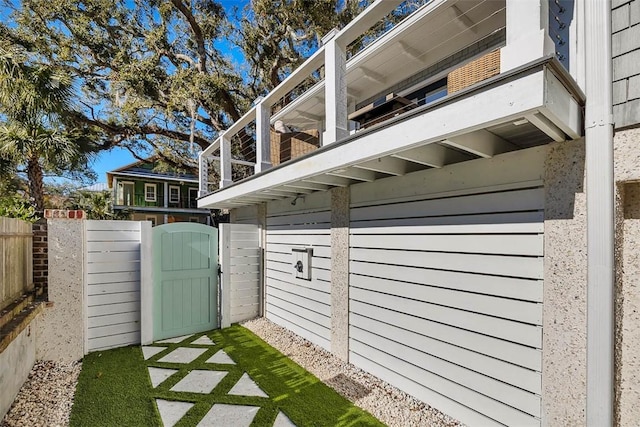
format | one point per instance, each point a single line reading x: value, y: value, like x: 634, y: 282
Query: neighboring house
x: 159, y: 197
x: 459, y: 208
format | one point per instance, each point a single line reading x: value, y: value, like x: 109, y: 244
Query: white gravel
x: 46, y: 397
x: 387, y: 403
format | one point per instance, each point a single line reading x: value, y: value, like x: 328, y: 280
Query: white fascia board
x: 561, y: 108
x: 153, y: 177
x: 505, y: 101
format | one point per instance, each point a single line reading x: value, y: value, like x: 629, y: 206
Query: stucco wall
x: 340, y: 272
x: 60, y: 329
x: 627, y: 358
x: 15, y: 363
x: 565, y: 284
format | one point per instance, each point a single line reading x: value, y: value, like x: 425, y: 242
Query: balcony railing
x: 438, y: 49
x: 139, y: 200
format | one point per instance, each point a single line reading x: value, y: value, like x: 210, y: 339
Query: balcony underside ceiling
x: 530, y: 106
x: 429, y: 36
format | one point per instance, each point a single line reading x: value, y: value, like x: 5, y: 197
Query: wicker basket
x: 474, y: 72
x: 287, y: 146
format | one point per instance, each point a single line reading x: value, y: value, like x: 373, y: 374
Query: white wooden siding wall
x: 241, y: 267
x: 112, y: 283
x: 446, y: 292
x: 299, y: 305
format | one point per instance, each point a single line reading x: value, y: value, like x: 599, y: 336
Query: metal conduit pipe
x: 600, y: 214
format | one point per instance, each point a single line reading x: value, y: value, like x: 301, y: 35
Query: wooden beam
x: 307, y: 186
x: 481, y: 143
x: 388, y: 165
x: 546, y: 126
x: 354, y: 173
x: 309, y: 116
x: 412, y: 52
x: 334, y: 181
x: 372, y: 75
x: 433, y: 155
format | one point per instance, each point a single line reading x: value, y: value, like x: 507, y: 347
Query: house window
x: 150, y: 192
x: 174, y: 194
x: 193, y: 198
x: 125, y: 194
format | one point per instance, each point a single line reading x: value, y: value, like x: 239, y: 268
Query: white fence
x: 241, y: 262
x: 115, y: 264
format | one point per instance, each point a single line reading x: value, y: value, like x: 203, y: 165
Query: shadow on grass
x: 113, y: 390
x: 303, y: 397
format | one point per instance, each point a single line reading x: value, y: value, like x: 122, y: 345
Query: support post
x: 263, y: 137
x: 527, y: 33
x: 225, y: 161
x: 203, y: 167
x: 146, y: 284
x: 335, y: 87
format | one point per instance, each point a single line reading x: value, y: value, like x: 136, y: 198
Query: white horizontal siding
x: 446, y: 295
x: 112, y: 283
x: 300, y: 305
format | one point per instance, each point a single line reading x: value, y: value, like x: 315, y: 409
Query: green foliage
x: 15, y: 206
x: 35, y: 101
x: 97, y: 205
x: 158, y: 72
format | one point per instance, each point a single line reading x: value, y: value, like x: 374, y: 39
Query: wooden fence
x: 16, y: 256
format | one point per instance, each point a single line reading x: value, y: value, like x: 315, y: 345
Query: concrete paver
x: 174, y: 340
x: 198, y: 381
x: 247, y: 387
x: 283, y: 421
x: 149, y: 352
x: 183, y: 355
x: 229, y: 415
x: 222, y: 358
x: 172, y: 411
x: 203, y: 340
x: 158, y: 375
x: 204, y: 382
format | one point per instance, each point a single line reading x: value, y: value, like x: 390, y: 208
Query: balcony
x: 451, y: 82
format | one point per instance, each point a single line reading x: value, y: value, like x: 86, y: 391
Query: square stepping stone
x: 222, y: 358
x: 174, y: 340
x: 171, y: 411
x: 158, y: 375
x: 247, y: 387
x: 229, y: 415
x: 283, y: 421
x: 200, y: 381
x: 203, y: 340
x: 149, y: 352
x: 183, y: 355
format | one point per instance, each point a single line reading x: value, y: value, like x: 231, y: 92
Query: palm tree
x: 34, y: 100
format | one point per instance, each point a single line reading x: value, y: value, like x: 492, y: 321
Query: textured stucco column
x: 627, y: 340
x: 340, y: 272
x: 565, y: 284
x: 60, y: 334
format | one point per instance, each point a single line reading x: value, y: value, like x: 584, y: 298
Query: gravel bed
x: 387, y: 403
x: 46, y: 397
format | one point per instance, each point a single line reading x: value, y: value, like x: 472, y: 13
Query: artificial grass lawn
x: 114, y: 387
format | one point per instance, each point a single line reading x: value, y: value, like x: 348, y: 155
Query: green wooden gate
x: 185, y: 279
